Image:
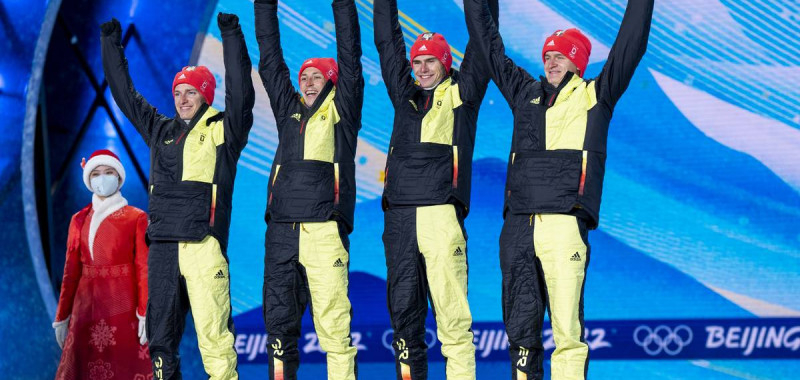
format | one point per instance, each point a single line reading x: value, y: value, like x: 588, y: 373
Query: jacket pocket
x: 419, y: 174
x: 303, y: 191
x: 544, y: 181
x: 180, y: 211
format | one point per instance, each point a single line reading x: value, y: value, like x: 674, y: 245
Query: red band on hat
x: 198, y: 77
x: 573, y: 44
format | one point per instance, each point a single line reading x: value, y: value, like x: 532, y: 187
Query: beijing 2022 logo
x: 662, y: 339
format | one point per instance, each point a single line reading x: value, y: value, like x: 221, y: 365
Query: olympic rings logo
x: 662, y: 338
x: 388, y: 337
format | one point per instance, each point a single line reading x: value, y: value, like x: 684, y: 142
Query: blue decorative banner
x: 754, y: 338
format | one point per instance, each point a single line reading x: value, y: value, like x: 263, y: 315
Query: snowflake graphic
x: 139, y: 376
x: 103, y: 335
x: 100, y: 370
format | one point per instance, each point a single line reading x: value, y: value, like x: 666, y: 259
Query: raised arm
x: 483, y: 33
x: 141, y: 114
x: 475, y: 69
x: 628, y: 49
x: 239, y: 94
x: 271, y: 66
x: 350, y: 86
x: 395, y: 67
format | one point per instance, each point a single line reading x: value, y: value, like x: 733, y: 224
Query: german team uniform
x: 192, y: 170
x: 426, y: 197
x: 554, y: 184
x: 311, y: 196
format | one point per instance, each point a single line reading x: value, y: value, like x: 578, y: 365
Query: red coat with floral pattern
x: 103, y: 291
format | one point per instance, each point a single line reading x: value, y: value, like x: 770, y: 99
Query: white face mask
x: 105, y: 185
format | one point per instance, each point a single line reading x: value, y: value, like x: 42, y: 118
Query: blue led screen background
x: 701, y: 203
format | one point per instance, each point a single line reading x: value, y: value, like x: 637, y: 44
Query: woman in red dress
x: 101, y: 312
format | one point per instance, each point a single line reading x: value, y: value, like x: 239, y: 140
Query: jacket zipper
x: 178, y: 141
x: 552, y: 98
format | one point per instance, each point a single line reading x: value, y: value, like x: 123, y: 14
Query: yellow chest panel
x: 200, y: 149
x: 318, y: 143
x: 438, y: 123
x: 567, y: 118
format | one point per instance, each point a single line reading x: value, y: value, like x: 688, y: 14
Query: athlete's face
x: 556, y: 65
x: 311, y: 83
x: 187, y: 100
x: 428, y: 70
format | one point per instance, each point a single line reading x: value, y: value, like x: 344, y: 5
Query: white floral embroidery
x: 103, y: 335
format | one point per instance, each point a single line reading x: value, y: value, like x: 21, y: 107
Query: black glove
x: 227, y: 21
x: 112, y: 29
x: 273, y: 2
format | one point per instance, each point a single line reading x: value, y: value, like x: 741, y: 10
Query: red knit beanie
x: 434, y: 44
x: 198, y: 77
x: 573, y: 44
x: 328, y: 66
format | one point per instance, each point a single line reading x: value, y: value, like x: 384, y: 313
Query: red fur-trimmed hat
x: 573, y: 44
x: 198, y: 77
x: 328, y: 66
x: 102, y: 157
x: 434, y: 44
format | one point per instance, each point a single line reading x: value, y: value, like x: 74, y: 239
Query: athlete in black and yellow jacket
x: 193, y: 165
x: 427, y: 191
x: 555, y: 179
x: 312, y: 192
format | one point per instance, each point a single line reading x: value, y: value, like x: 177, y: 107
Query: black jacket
x: 430, y: 154
x: 192, y: 166
x: 313, y: 173
x: 558, y: 148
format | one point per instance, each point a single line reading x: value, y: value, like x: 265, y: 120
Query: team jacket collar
x: 208, y: 113
x: 443, y: 85
x: 197, y: 116
x: 421, y: 98
x: 554, y: 94
x: 321, y: 98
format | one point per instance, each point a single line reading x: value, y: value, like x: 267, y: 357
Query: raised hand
x: 112, y: 29
x: 227, y: 21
